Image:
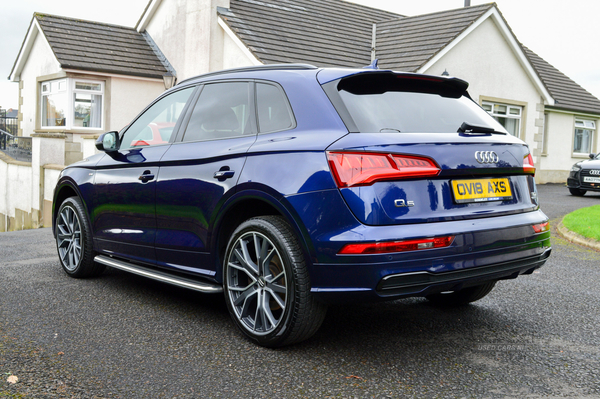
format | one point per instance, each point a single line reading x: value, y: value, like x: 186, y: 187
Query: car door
x: 123, y: 215
x: 200, y: 170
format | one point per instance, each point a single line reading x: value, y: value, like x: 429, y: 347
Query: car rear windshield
x: 389, y: 102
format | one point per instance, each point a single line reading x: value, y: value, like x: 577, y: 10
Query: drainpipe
x: 467, y: 3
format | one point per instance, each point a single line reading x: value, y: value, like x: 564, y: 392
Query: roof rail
x: 252, y: 68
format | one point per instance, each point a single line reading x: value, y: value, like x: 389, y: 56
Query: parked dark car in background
x: 585, y: 176
x: 290, y: 187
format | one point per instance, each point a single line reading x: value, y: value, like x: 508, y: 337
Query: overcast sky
x: 564, y: 33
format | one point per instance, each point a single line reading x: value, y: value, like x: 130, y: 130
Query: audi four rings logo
x: 595, y: 172
x: 486, y: 157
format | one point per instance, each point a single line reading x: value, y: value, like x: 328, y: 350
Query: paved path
x: 121, y: 336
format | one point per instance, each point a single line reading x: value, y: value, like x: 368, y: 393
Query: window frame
x: 584, y: 126
x: 69, y: 91
x: 508, y: 115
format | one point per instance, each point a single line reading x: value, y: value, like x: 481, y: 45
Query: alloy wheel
x: 256, y: 283
x: 68, y: 238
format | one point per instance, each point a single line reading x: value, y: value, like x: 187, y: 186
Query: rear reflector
x: 528, y: 166
x: 541, y: 227
x: 396, y: 246
x: 365, y: 168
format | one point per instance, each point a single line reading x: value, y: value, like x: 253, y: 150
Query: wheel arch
x: 64, y: 190
x: 245, y: 205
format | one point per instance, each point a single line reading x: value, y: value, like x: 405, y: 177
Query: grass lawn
x: 584, y: 221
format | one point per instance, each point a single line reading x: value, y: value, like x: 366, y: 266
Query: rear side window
x: 391, y: 103
x: 222, y: 111
x: 274, y: 112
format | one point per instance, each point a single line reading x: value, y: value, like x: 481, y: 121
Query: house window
x: 72, y: 103
x: 54, y: 103
x: 508, y: 116
x: 584, y: 135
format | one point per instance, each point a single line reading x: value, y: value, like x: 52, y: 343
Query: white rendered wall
x: 187, y: 33
x: 41, y: 62
x: 128, y: 97
x: 560, y: 131
x: 233, y: 56
x: 50, y: 179
x: 15, y: 188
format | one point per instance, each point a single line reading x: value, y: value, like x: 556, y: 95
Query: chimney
x: 467, y: 3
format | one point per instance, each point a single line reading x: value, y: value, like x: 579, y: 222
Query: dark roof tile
x: 94, y: 46
x: 566, y: 93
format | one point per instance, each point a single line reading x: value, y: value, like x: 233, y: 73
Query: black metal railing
x: 16, y: 147
x: 8, y: 124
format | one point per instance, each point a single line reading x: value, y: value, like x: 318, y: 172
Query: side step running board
x: 159, y: 276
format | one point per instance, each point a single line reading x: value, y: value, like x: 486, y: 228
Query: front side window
x: 155, y: 126
x: 222, y: 111
x: 584, y: 135
x: 507, y: 115
x: 72, y: 103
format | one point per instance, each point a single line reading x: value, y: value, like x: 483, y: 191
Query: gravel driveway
x: 122, y: 336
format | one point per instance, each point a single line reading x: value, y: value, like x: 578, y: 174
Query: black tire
x: 461, y: 297
x: 269, y: 300
x: 577, y: 192
x: 74, y: 240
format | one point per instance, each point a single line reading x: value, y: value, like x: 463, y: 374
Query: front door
x: 123, y: 214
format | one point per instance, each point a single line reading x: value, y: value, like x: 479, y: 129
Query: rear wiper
x: 474, y: 129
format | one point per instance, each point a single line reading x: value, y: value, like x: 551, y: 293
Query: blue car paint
x: 289, y: 171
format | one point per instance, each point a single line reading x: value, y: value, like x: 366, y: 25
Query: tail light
x: 365, y: 168
x: 528, y: 166
x: 396, y: 246
x: 541, y: 227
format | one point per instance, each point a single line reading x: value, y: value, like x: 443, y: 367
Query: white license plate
x: 590, y: 179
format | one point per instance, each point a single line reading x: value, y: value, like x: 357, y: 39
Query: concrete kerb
x: 577, y: 238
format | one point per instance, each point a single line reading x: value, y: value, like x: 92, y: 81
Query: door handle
x: 146, y: 176
x: 224, y: 174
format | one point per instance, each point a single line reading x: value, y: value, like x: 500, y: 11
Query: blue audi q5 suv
x: 290, y: 187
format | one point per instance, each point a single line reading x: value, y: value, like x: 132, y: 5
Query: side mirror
x: 108, y: 142
x: 592, y: 156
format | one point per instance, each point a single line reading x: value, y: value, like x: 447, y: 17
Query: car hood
x: 589, y: 164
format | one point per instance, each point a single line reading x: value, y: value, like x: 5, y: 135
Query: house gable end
x: 26, y: 47
x: 495, y: 15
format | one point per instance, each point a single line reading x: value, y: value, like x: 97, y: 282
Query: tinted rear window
x: 387, y: 102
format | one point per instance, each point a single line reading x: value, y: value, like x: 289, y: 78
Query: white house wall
x: 128, y: 97
x: 561, y: 129
x: 487, y: 62
x: 187, y: 33
x: 41, y: 62
x: 233, y: 56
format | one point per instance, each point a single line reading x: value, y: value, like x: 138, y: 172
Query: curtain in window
x: 96, y: 112
x: 583, y: 140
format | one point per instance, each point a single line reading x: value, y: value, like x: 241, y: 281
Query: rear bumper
x: 507, y: 248
x: 486, y: 248
x: 426, y: 283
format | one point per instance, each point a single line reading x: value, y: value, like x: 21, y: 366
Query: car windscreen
x: 389, y: 102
